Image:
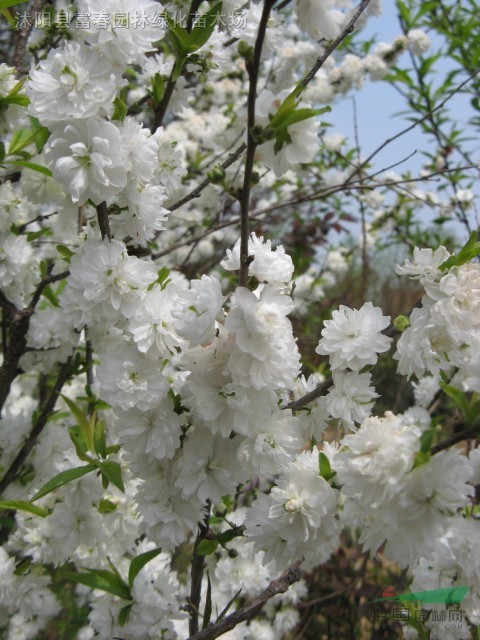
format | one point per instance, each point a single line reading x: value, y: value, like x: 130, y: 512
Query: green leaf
x: 204, y: 27
x: 458, y: 397
x: 120, y: 110
x: 106, y: 506
x: 4, y: 4
x: 101, y: 579
x: 229, y: 535
x: 21, y: 100
x: 124, y: 614
x: 139, y: 562
x: 20, y: 139
x: 85, y: 425
x: 64, y: 477
x: 99, y: 440
x: 65, y: 252
x: 158, y: 88
x: 23, y: 505
x: 207, y: 612
x: 325, y: 468
x: 50, y: 296
x: 112, y: 472
x: 299, y: 115
x: 426, y: 440
x: 177, y: 69
x: 469, y: 251
x: 31, y: 165
x: 206, y: 547
x: 287, y: 106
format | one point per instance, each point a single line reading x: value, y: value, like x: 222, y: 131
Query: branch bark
x: 280, y: 585
x: 253, y: 67
x: 198, y: 565
x: 39, y: 425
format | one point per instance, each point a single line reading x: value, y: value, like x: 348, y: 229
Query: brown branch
x: 18, y: 329
x: 203, y: 185
x: 198, y: 565
x: 38, y: 427
x: 473, y: 431
x: 280, y: 585
x: 21, y: 43
x: 253, y: 67
x: 103, y: 221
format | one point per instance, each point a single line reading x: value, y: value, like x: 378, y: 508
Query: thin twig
x: 38, y: 427
x: 473, y: 431
x: 253, y: 67
x: 280, y: 585
x: 347, y: 30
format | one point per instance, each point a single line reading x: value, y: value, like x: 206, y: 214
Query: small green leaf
x: 206, y: 547
x: 65, y: 252
x: 101, y: 579
x: 82, y: 421
x: 207, y: 612
x: 204, y: 27
x: 229, y: 535
x: 99, y: 440
x: 112, y: 472
x: 106, y: 506
x: 23, y: 505
x: 124, y: 614
x: 31, y: 165
x: 469, y: 251
x: 158, y: 88
x: 426, y: 440
x: 4, y: 4
x: 325, y: 467
x: 64, y: 477
x: 139, y: 562
x: 120, y: 110
x: 458, y: 397
x: 20, y: 139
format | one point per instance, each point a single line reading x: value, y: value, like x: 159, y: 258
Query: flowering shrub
x: 169, y: 194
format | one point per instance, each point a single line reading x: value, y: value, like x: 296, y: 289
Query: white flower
x: 196, y: 310
x: 208, y: 467
x: 126, y: 379
x: 73, y: 82
x: 352, y: 338
x: 87, y: 159
x: 275, y: 267
x: 379, y: 455
x: 316, y: 18
x: 351, y: 397
x: 333, y: 142
x: 152, y: 323
x: 425, y: 265
x: 418, y: 41
x: 127, y: 42
x: 302, y: 144
x: 297, y: 518
x: 154, y: 433
x: 103, y: 271
x: 144, y: 215
x: 265, y: 353
x: 141, y: 149
x: 271, y: 444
